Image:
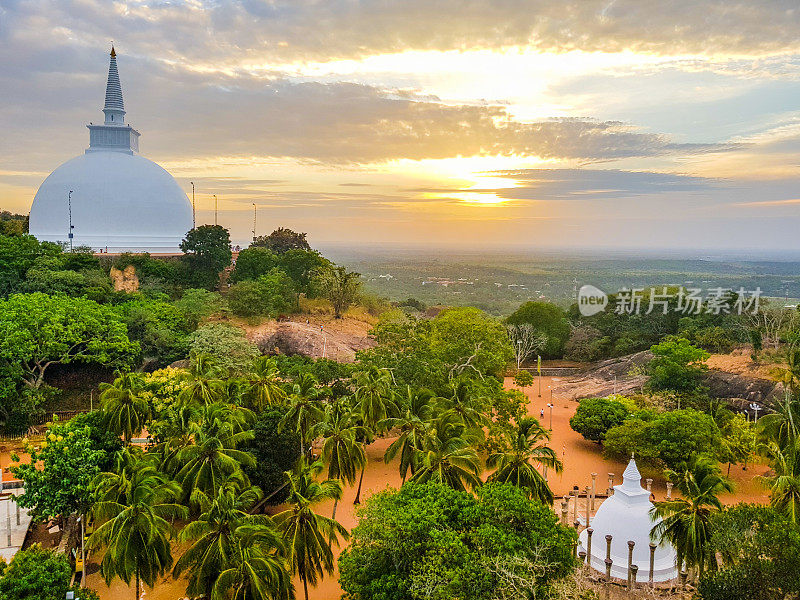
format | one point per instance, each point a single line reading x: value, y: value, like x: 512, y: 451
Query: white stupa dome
x: 626, y: 516
x: 118, y: 200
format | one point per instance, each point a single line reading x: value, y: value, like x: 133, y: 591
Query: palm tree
x: 373, y: 402
x: 126, y: 410
x: 257, y: 569
x: 343, y: 448
x: 266, y: 387
x: 136, y: 533
x: 686, y: 521
x: 305, y: 410
x: 463, y: 405
x: 448, y: 455
x: 516, y: 463
x: 227, y: 539
x: 415, y: 411
x: 212, y: 458
x: 309, y: 536
x: 785, y: 483
x: 205, y: 385
x: 373, y: 396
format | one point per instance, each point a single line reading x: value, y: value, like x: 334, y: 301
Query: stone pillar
x: 608, y: 548
x: 587, y: 506
x: 575, y: 495
x: 649, y: 483
x: 608, y: 577
x: 669, y: 490
x: 564, y: 504
x: 582, y: 556
x: 632, y: 577
x: 682, y: 576
x: 610, y: 484
x: 652, y: 561
x: 545, y: 473
x: 589, y: 532
x: 594, y: 488
x: 631, y: 544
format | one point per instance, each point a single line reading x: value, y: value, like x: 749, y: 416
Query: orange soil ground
x: 580, y: 458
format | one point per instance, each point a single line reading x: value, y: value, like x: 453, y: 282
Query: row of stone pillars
x: 590, y: 493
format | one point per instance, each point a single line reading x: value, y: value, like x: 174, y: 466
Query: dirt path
x: 581, y: 458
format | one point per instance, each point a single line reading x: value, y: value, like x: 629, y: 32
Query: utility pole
x: 254, y: 222
x: 215, y: 209
x: 71, y: 227
x: 194, y: 220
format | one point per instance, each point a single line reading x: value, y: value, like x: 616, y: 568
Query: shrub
x: 595, y: 416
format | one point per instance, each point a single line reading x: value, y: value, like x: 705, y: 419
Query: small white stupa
x: 626, y: 516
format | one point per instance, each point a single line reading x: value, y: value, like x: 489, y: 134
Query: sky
x: 578, y: 123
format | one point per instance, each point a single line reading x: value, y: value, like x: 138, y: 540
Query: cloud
x: 597, y: 184
x: 231, y: 31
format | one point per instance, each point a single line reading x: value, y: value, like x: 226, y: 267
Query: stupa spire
x: 114, y: 108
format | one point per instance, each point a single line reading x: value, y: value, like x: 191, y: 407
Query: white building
x: 118, y: 200
x: 626, y: 517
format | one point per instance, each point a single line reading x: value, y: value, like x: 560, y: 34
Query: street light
x: 194, y: 220
x: 550, y: 405
x: 71, y: 227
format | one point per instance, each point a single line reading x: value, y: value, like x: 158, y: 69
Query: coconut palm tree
x: 343, y: 446
x: 785, y: 483
x: 265, y: 385
x: 462, y: 404
x: 212, y: 458
x: 221, y: 537
x: 204, y: 383
x: 309, y: 536
x: 448, y: 454
x: 686, y: 521
x: 516, y: 464
x: 373, y: 397
x: 305, y: 410
x: 126, y: 410
x: 415, y: 411
x: 136, y: 533
x: 257, y: 569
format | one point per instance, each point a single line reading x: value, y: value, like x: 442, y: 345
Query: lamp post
x: 71, y: 227
x: 551, y: 414
x: 194, y: 220
x: 254, y: 222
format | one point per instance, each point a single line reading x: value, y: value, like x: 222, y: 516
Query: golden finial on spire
x: 113, y: 52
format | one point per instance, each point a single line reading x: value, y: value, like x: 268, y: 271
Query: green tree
x: 275, y: 452
x: 224, y: 539
x: 595, y: 416
x: 339, y: 287
x: 448, y: 455
x: 282, y: 240
x: 310, y: 536
x: 760, y: 554
x: 204, y: 385
x: 36, y: 574
x: 342, y: 447
x: 663, y: 439
x: 676, y: 366
x: 213, y: 458
x: 547, y: 319
x: 516, y: 463
x: 265, y: 385
x: 125, y: 410
x: 252, y: 263
x: 18, y: 254
x: 136, y: 535
x: 784, y: 483
x: 206, y: 252
x: 269, y: 295
x: 226, y: 345
x: 38, y: 331
x: 430, y: 541
x: 305, y: 409
x: 686, y: 521
x: 58, y: 478
x: 198, y: 304
x: 414, y: 414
